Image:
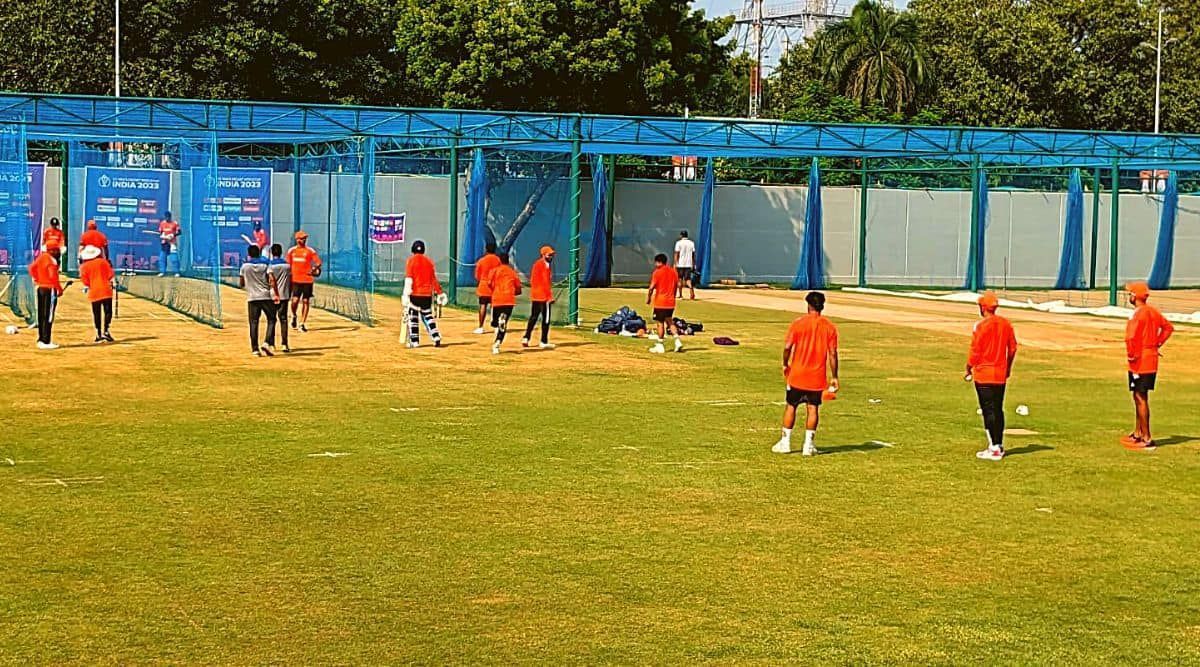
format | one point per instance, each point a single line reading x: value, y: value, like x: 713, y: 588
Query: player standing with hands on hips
x: 989, y: 365
x: 44, y: 271
x: 810, y: 365
x: 1146, y: 332
x: 541, y: 294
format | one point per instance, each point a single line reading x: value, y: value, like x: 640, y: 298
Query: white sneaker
x: 658, y: 349
x: 546, y: 346
x: 990, y: 454
x: 479, y: 331
x: 412, y: 346
x: 782, y: 447
x: 159, y: 275
x: 496, y: 349
x: 810, y: 451
x: 678, y: 345
x: 47, y: 346
x: 524, y: 342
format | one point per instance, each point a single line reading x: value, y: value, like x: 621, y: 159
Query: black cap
x: 418, y: 247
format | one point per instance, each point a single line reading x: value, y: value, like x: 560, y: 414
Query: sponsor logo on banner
x: 388, y: 227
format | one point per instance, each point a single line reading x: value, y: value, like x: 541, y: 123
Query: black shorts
x: 485, y: 300
x: 1143, y: 383
x: 797, y: 396
x: 684, y: 273
x: 302, y: 291
x: 663, y: 314
x: 421, y: 302
x: 506, y: 311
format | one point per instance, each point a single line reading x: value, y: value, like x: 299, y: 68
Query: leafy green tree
x: 604, y: 56
x: 875, y: 55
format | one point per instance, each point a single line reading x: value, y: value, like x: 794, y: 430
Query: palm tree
x: 875, y: 55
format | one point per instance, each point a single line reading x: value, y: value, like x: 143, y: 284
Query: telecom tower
x: 783, y: 23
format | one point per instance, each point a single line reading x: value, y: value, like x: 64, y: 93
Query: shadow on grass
x: 1027, y: 449
x: 868, y: 446
x: 120, y: 341
x: 300, y: 353
x: 296, y: 350
x: 344, y: 327
x: 1175, y: 440
x: 572, y: 344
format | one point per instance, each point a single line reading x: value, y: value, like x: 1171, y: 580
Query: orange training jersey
x: 425, y: 283
x: 1146, y: 331
x: 541, y: 287
x: 483, y: 269
x: 302, y: 261
x: 810, y: 338
x: 505, y: 285
x: 96, y: 275
x: 992, y: 344
x: 95, y: 238
x: 53, y: 236
x: 260, y: 238
x: 665, y: 281
x: 44, y: 271
x: 168, y: 231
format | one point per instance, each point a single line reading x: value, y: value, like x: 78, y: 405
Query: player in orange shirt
x: 306, y: 267
x: 541, y: 296
x: 664, y: 282
x: 169, y: 232
x: 420, y: 288
x: 483, y: 268
x: 95, y: 238
x: 44, y: 271
x: 810, y: 355
x: 98, y: 280
x: 53, y: 235
x: 260, y: 238
x: 504, y: 285
x: 1146, y: 332
x: 989, y: 364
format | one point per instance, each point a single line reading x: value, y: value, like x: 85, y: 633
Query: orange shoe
x: 1130, y: 441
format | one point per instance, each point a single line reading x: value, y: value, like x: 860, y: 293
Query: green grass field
x: 593, y: 504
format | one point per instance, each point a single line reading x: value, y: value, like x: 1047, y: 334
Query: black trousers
x: 501, y: 314
x: 102, y: 314
x: 256, y: 309
x: 991, y: 402
x: 539, y: 309
x: 278, y: 315
x: 45, y: 305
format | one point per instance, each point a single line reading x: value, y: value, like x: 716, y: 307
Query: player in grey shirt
x: 260, y: 297
x: 280, y: 272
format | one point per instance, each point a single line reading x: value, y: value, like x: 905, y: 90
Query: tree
x: 875, y: 55
x: 307, y: 50
x: 603, y: 56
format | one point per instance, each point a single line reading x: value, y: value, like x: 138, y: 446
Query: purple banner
x: 387, y: 227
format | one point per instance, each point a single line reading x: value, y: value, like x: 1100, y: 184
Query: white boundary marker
x: 61, y: 481
x: 328, y: 455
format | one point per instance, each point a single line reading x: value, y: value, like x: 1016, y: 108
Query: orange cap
x: 989, y: 301
x: 301, y: 235
x: 547, y: 250
x: 1139, y: 289
x: 91, y: 224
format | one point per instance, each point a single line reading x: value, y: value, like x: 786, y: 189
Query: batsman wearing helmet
x: 421, y: 287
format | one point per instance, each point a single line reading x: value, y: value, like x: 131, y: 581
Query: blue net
x: 976, y: 250
x: 476, y: 233
x: 337, y: 198
x: 149, y: 202
x: 528, y: 200
x: 1070, y: 267
x: 1164, y: 252
x: 811, y: 272
x: 597, y: 272
x: 704, y: 242
x: 18, y: 234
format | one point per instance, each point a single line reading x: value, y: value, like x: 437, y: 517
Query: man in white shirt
x: 685, y: 263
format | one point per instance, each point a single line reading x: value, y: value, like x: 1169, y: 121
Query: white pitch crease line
x: 330, y: 455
